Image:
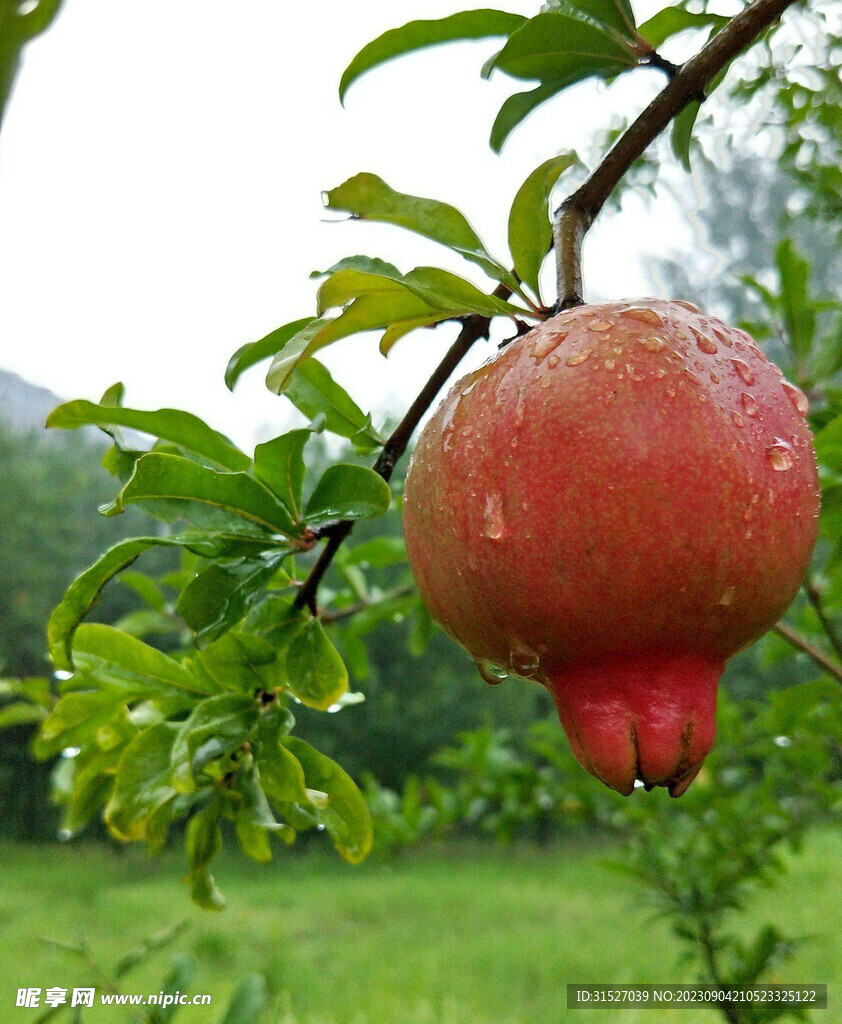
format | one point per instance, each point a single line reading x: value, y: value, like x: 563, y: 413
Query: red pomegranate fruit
x: 614, y: 505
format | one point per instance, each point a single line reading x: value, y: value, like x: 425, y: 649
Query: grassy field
x: 448, y: 936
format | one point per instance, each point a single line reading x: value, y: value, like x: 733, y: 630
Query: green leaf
x: 249, y: 1001
x: 377, y: 553
x: 796, y: 303
x: 556, y: 48
x: 76, y: 719
x: 203, y: 841
x: 314, y: 392
x: 254, y: 821
x: 281, y: 775
x: 130, y: 667
x: 417, y: 35
x: 218, y: 598
x: 614, y: 15
x: 530, y: 228
x: 518, y: 107
x: 294, y: 351
x: 83, y: 594
x: 346, y: 817
x: 256, y: 351
x: 176, y: 981
x: 829, y: 445
x: 242, y: 662
x: 316, y: 673
x: 279, y: 463
x: 142, y: 786
x: 368, y: 197
x: 20, y: 714
x: 348, y: 492
x: 169, y: 487
x: 682, y: 132
x: 216, y: 727
x: 672, y: 20
x: 181, y: 428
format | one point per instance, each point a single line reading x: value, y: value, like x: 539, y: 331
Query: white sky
x: 161, y: 166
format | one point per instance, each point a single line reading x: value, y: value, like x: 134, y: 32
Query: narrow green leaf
x: 348, y: 492
x: 672, y: 20
x: 368, y: 197
x: 314, y: 392
x: 20, y: 714
x: 417, y: 35
x: 142, y: 785
x: 169, y: 488
x: 556, y: 48
x: 74, y: 720
x: 279, y: 463
x: 216, y: 727
x: 256, y: 351
x: 83, y: 594
x: 202, y: 842
x: 682, y: 132
x: 316, y: 673
x: 394, y: 332
x: 346, y: 817
x: 530, y: 228
x: 614, y: 15
x: 518, y: 107
x: 796, y: 303
x: 219, y: 597
x: 281, y: 775
x: 180, y: 428
x: 129, y: 666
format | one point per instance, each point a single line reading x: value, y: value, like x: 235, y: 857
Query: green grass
x: 463, y: 935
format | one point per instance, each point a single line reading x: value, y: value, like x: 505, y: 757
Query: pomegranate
x: 613, y: 506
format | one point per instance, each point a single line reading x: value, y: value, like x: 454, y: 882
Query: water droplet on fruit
x: 652, y: 344
x: 660, y: 373
x: 706, y: 344
x: 491, y: 673
x: 493, y: 523
x: 578, y: 357
x: 780, y: 455
x: 609, y: 364
x: 723, y: 336
x: 728, y: 597
x: 797, y: 397
x: 750, y: 405
x: 547, y: 344
x: 600, y: 325
x: 553, y: 362
x: 686, y: 305
x: 644, y: 315
x: 523, y: 659
x: 738, y: 420
x: 744, y: 370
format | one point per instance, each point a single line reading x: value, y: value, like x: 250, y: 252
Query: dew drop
x: 744, y: 370
x: 523, y: 659
x: 660, y: 373
x: 750, y: 406
x: 578, y: 357
x: 686, y: 305
x: 671, y: 392
x: 706, y: 344
x: 653, y: 344
x: 600, y: 325
x: 553, y: 362
x: 547, y: 344
x: 738, y: 420
x: 492, y: 518
x: 723, y: 336
x: 644, y: 315
x: 491, y: 673
x: 780, y: 455
x: 797, y: 397
x: 728, y: 597
x: 609, y: 364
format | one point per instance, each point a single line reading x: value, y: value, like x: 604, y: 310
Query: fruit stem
x: 571, y: 224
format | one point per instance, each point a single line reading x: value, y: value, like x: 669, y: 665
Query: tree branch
x: 815, y: 599
x: 816, y: 653
x: 687, y: 84
x: 473, y: 328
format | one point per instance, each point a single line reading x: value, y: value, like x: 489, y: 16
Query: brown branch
x: 473, y: 328
x: 823, y: 660
x: 688, y: 84
x: 815, y: 599
x: 353, y: 609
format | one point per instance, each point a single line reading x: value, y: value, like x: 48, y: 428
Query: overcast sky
x: 161, y: 166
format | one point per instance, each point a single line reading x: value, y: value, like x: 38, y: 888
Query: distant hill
x: 24, y: 406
